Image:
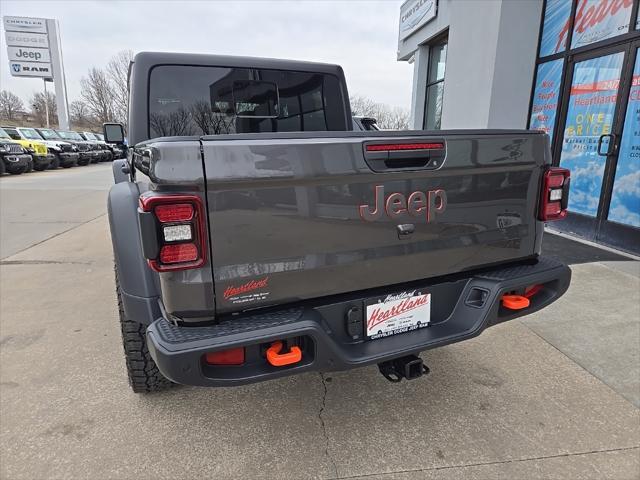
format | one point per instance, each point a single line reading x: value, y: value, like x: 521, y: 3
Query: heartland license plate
x: 399, y: 313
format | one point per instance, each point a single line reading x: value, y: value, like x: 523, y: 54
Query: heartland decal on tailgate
x: 240, y: 293
x: 398, y: 314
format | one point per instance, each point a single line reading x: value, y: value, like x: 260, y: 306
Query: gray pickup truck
x: 256, y: 234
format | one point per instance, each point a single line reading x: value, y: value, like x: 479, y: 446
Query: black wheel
x: 2, y: 167
x: 30, y: 166
x: 39, y: 168
x: 143, y: 373
x: 55, y: 163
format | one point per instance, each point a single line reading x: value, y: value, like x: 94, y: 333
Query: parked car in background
x: 105, y: 152
x: 14, y: 158
x: 89, y: 152
x: 115, y: 150
x: 36, y: 147
x: 66, y: 154
x: 364, y: 123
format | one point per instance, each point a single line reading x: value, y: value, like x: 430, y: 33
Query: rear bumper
x: 321, y: 331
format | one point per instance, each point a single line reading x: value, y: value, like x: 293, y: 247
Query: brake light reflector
x: 554, y: 196
x: 178, y: 253
x: 175, y: 236
x: 179, y: 212
x: 233, y: 356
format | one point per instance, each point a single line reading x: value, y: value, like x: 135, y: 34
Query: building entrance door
x: 601, y: 145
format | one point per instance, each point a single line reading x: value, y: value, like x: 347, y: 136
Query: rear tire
x: 29, y: 166
x: 143, y: 373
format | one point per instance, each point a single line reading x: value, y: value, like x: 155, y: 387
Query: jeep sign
x: 21, y: 54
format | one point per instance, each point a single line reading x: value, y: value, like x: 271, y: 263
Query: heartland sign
x: 28, y: 47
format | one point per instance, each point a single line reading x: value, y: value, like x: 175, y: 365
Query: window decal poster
x: 556, y: 16
x: 592, y: 104
x: 545, y: 97
x: 598, y: 20
x: 625, y: 198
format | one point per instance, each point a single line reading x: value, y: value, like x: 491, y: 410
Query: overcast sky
x: 359, y: 35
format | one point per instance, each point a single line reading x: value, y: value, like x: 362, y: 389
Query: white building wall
x: 490, y: 62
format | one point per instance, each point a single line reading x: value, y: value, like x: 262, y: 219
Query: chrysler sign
x: 414, y: 14
x: 25, y: 24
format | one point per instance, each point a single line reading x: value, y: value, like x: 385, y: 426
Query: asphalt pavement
x: 554, y: 395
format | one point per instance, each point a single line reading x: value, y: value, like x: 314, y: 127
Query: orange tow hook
x: 277, y: 359
x: 515, y: 302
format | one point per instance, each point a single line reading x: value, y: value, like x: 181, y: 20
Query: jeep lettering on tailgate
x: 396, y: 204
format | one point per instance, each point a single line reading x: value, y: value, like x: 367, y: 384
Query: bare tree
x: 10, y: 105
x: 117, y: 71
x: 171, y: 124
x: 388, y: 117
x: 211, y: 122
x: 97, y: 94
x: 79, y: 113
x: 39, y: 105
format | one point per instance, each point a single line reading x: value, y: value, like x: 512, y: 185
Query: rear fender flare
x: 138, y: 283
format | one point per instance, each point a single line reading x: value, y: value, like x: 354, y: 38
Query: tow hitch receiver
x: 408, y: 367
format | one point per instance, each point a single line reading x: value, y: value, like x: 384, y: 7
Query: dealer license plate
x: 399, y: 313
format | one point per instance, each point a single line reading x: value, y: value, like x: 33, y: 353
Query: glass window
x: 555, y: 27
x: 545, y: 96
x: 598, y: 20
x: 435, y: 86
x: 192, y: 100
x: 592, y: 104
x: 625, y: 198
x: 437, y: 62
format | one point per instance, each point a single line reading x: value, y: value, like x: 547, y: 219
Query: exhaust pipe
x: 408, y: 367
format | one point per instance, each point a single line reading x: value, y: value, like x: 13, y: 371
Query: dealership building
x: 568, y: 67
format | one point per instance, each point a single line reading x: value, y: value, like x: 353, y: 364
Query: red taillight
x: 179, y: 253
x: 554, y: 196
x: 233, y: 356
x: 179, y: 231
x: 388, y: 147
x: 178, y: 212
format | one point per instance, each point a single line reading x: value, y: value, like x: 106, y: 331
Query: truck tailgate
x: 295, y: 217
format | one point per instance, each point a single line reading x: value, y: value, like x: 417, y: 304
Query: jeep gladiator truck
x: 257, y: 235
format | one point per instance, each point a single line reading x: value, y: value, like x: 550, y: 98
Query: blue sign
x: 545, y: 97
x: 556, y: 18
x: 592, y: 104
x: 625, y: 198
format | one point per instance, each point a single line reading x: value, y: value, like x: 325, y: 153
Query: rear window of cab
x: 193, y: 100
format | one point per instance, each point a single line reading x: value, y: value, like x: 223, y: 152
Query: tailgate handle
x: 414, y: 155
